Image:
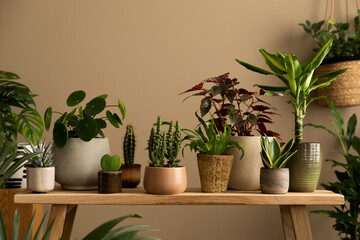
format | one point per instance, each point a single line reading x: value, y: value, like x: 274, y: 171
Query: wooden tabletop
x: 192, y: 196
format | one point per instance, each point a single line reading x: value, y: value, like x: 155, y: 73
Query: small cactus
x: 129, y: 146
x: 157, y: 145
x: 173, y: 143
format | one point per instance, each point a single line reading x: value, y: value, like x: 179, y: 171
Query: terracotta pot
x: 305, y: 167
x: 109, y: 181
x: 165, y: 180
x: 214, y: 172
x: 130, y: 175
x: 274, y: 180
x: 77, y: 164
x: 40, y: 179
x: 245, y: 173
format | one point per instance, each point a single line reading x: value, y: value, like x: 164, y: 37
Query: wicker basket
x: 345, y: 91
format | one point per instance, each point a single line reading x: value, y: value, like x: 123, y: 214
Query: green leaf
x: 332, y: 74
x: 60, y: 134
x: 118, y: 119
x: 87, y: 129
x: 338, y: 118
x: 15, y: 232
x: 290, y: 68
x: 317, y: 59
x: 254, y: 68
x: 205, y: 106
x: 321, y: 127
x: 112, y: 119
x: 122, y: 109
x: 75, y: 98
x: 8, y: 75
x: 30, y: 125
x: 47, y: 118
x: 272, y: 88
x: 100, y: 123
x: 104, y: 96
x: 274, y: 150
x: 351, y: 127
x: 274, y: 62
x: 110, y: 163
x: 95, y: 106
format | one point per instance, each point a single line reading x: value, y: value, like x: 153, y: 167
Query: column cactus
x: 157, y: 145
x: 173, y: 143
x: 129, y: 146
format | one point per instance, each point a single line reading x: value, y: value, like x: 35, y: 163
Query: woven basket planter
x: 345, y: 91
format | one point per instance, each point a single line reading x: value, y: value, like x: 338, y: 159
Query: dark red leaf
x: 262, y: 128
x: 260, y: 108
x: 224, y: 76
x: 264, y: 120
x: 243, y: 91
x: 219, y: 124
x: 271, y: 113
x: 196, y: 88
x: 262, y: 101
x: 262, y: 91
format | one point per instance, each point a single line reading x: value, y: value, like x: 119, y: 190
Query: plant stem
x: 299, y: 121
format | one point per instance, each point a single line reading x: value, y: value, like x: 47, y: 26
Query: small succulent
x: 157, y: 145
x: 110, y: 163
x: 44, y: 156
x: 129, y: 146
x: 173, y: 144
x: 273, y: 155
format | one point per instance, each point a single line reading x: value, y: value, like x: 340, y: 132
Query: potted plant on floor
x: 345, y: 53
x: 130, y: 170
x: 79, y: 140
x: 110, y: 177
x: 274, y: 176
x: 247, y: 113
x: 299, y: 82
x: 210, y: 143
x: 161, y: 177
x: 40, y: 169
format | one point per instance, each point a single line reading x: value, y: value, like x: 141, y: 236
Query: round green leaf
x: 95, y: 106
x: 118, y: 119
x: 112, y: 119
x: 87, y: 129
x: 75, y: 98
x: 122, y: 109
x: 101, y: 123
x: 60, y: 135
x: 109, y: 163
x: 47, y: 118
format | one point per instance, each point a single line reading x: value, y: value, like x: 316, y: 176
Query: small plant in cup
x: 274, y: 177
x: 110, y: 177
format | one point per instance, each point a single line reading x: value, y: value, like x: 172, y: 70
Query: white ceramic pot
x: 40, y: 179
x: 245, y: 173
x: 78, y: 163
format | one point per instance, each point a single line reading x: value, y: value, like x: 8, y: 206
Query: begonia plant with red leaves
x: 244, y: 109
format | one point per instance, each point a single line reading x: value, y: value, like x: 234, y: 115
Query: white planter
x: 245, y: 173
x: 78, y: 163
x: 40, y: 179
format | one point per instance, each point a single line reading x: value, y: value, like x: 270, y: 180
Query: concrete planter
x: 78, y: 163
x: 274, y: 180
x: 165, y: 180
x: 40, y: 179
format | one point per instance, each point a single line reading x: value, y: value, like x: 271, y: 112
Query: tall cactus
x: 157, y: 145
x: 129, y: 146
x: 173, y: 143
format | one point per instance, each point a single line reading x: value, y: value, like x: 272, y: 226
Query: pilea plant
x: 129, y: 146
x: 161, y: 145
x: 110, y: 163
x: 246, y: 111
x: 83, y: 122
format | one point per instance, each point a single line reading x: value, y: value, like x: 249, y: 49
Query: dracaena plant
x: 18, y: 110
x: 83, y: 122
x: 298, y: 80
x: 273, y: 155
x: 208, y: 139
x: 245, y: 110
x: 346, y: 40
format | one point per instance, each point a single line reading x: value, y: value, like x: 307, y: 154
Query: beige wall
x: 146, y: 53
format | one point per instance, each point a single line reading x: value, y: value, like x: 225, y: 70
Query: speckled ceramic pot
x: 214, y: 172
x: 305, y: 167
x: 40, y: 179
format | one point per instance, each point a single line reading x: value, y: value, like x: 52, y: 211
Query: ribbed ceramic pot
x: 40, y: 179
x: 77, y: 164
x: 305, y: 167
x: 214, y: 171
x: 274, y: 180
x: 165, y: 180
x: 109, y: 181
x: 130, y: 175
x: 245, y: 173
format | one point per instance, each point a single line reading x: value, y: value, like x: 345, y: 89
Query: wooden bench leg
x: 64, y: 216
x: 295, y: 222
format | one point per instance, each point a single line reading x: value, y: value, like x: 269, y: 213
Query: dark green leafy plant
x: 129, y: 146
x: 105, y: 231
x: 346, y: 41
x: 298, y: 80
x: 44, y: 154
x: 7, y: 164
x: 18, y: 110
x: 273, y: 155
x: 245, y: 110
x: 213, y: 142
x: 83, y: 122
x: 347, y: 179
x: 110, y: 163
